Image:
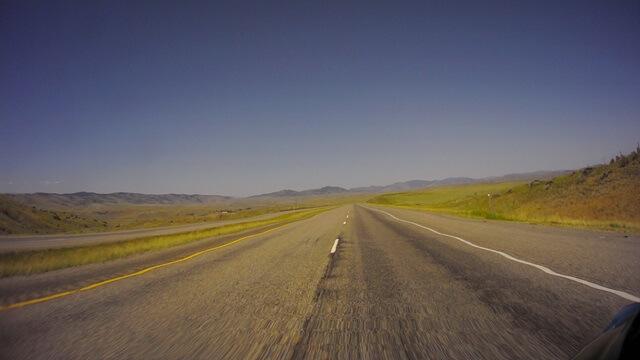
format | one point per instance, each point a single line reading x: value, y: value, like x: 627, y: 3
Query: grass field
x: 151, y: 216
x: 605, y: 197
x: 20, y: 219
x: 469, y: 200
x: 123, y: 217
x: 16, y: 218
x: 33, y: 262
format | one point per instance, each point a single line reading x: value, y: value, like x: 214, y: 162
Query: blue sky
x: 246, y: 97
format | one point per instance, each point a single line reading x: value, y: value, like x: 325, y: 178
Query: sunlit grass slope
x: 150, y: 216
x: 33, y: 262
x: 19, y: 219
x: 603, y: 197
x: 16, y: 218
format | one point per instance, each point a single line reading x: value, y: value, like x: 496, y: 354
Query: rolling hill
x: 409, y: 185
x: 88, y: 211
x: 604, y: 196
x: 86, y: 199
x: 16, y: 218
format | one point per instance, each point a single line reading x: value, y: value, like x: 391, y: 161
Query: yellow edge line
x: 140, y: 272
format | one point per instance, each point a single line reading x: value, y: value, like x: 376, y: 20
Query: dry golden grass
x: 16, y: 218
x: 605, y: 197
x: 33, y: 262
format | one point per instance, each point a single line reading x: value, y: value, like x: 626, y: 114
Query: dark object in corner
x: 619, y: 340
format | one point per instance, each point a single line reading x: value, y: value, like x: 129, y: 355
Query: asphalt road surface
x: 9, y: 243
x: 392, y: 289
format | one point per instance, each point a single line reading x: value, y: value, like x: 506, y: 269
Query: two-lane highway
x: 353, y: 282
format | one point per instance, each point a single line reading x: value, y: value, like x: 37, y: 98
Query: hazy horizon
x: 246, y: 98
x: 299, y: 189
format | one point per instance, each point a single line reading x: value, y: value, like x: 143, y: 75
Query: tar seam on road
x: 335, y: 246
x: 140, y: 272
x: 622, y: 294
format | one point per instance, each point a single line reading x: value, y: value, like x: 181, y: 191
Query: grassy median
x: 39, y: 261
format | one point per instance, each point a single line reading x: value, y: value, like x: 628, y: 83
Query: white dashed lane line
x: 335, y: 246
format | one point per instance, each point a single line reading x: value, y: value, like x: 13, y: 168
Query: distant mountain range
x: 87, y: 199
x: 414, y: 184
x: 327, y: 190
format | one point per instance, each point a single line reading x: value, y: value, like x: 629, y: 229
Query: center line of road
x: 143, y: 271
x: 335, y: 246
x: 622, y: 294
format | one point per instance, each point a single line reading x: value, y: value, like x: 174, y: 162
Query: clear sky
x: 247, y: 97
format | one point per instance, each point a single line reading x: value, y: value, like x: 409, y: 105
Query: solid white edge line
x: 335, y: 246
x: 622, y: 294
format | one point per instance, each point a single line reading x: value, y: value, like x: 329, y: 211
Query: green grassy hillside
x: 21, y: 219
x: 604, y: 197
x: 16, y: 218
